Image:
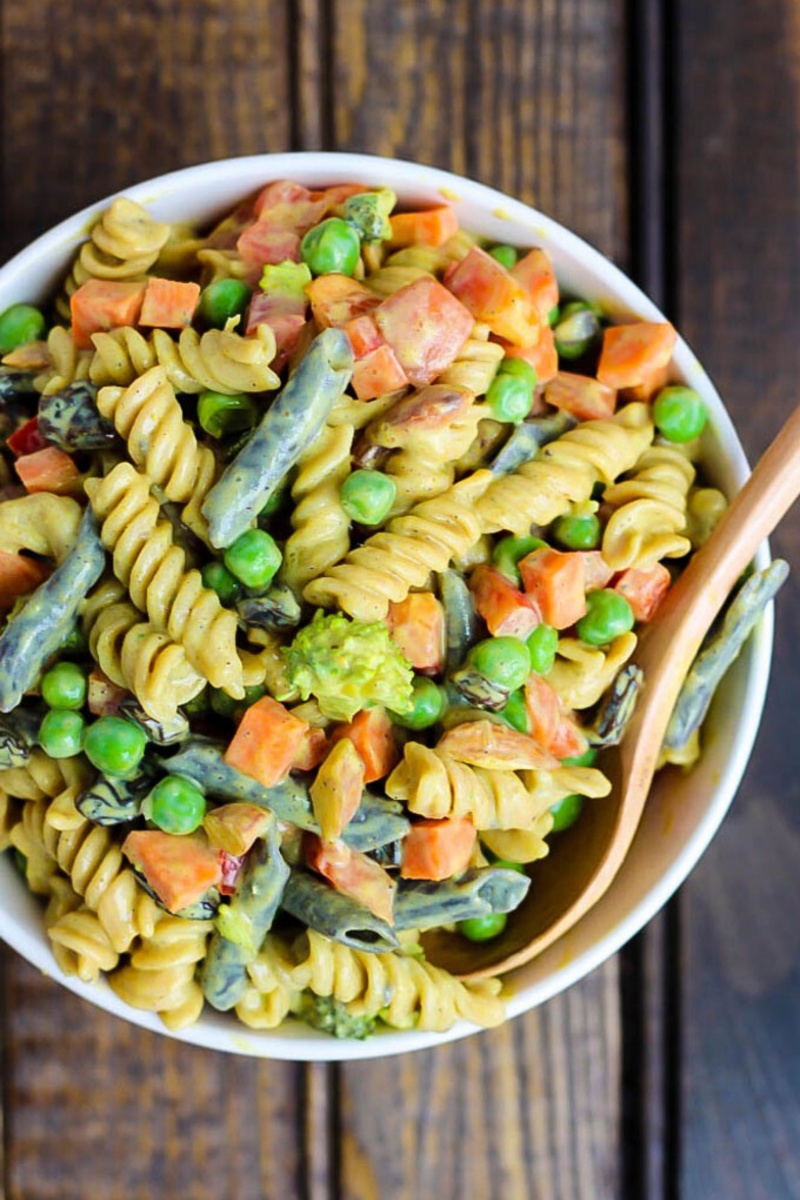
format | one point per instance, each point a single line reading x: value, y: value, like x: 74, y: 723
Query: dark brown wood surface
x: 666, y: 133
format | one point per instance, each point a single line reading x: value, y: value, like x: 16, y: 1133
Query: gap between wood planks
x: 649, y: 977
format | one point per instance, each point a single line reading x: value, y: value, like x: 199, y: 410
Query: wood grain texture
x: 739, y: 271
x: 532, y: 1108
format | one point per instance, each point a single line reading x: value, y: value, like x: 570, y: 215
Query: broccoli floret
x: 331, y: 1016
x: 349, y: 665
x: 368, y: 213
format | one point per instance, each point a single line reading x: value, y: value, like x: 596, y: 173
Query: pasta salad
x: 325, y: 537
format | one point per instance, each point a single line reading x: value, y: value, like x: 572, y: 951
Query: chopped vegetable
x: 417, y: 626
x: 555, y: 583
x: 235, y: 827
x: 353, y: 874
x: 493, y: 294
x: 371, y: 733
x: 505, y: 609
x: 102, y: 304
x: 180, y: 870
x: 535, y: 272
x: 634, y: 358
x: 19, y: 575
x: 644, y: 590
x: 377, y: 372
x: 338, y: 299
x: 426, y: 326
x: 266, y: 742
x: 431, y: 227
x: 169, y: 303
x: 438, y: 849
x: 587, y: 399
x: 48, y: 470
x: 548, y: 723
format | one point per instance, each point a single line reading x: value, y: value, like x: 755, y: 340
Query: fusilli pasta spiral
x: 40, y: 522
x: 219, y: 360
x: 565, y: 471
x: 650, y: 511
x: 67, y: 362
x: 160, y: 976
x: 581, y: 673
x: 321, y: 527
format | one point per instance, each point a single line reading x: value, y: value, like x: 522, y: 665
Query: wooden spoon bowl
x: 585, y: 859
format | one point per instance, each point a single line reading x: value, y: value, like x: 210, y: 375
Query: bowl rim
x: 292, y: 1041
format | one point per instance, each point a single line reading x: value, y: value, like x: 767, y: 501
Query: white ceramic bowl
x: 683, y: 812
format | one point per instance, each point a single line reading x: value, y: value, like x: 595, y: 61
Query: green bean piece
x: 289, y: 425
x: 720, y: 651
x: 424, y: 904
x: 527, y: 440
x: 61, y: 733
x: 254, y: 559
x: 278, y: 608
x: 220, y: 414
x: 244, y: 922
x: 40, y: 628
x: 322, y: 908
x: 71, y: 420
x: 333, y: 246
x: 460, y: 616
x: 19, y: 324
x: 375, y: 822
x: 616, y: 708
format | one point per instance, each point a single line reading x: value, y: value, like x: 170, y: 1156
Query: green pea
x: 61, y: 733
x: 577, y: 532
x: 515, y: 712
x: 566, y: 812
x: 508, y: 552
x: 19, y: 324
x: 217, y: 577
x: 587, y: 759
x: 679, y: 413
x: 219, y: 414
x: 510, y: 398
x: 553, y: 316
x: 576, y: 334
x: 115, y: 746
x: 64, y: 686
x: 175, y: 805
x: 331, y: 246
x: 221, y: 300
x: 607, y: 616
x: 542, y: 645
x: 482, y: 929
x: 254, y: 558
x: 505, y: 255
x: 502, y: 660
x: 519, y: 367
x: 429, y: 703
x: 368, y: 496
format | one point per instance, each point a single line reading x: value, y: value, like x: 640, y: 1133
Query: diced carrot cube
x: 103, y: 304
x: 312, y: 750
x: 535, y: 272
x: 169, y: 303
x: 372, y: 733
x: 542, y: 356
x: 426, y: 326
x: 596, y: 571
x: 179, y: 868
x: 634, y: 356
x: 555, y: 582
x: 266, y: 742
x: 644, y: 590
x: 504, y: 608
x: 48, y: 470
x: 417, y: 627
x: 363, y: 334
x: 585, y: 398
x: 337, y: 299
x: 353, y: 874
x: 493, y: 295
x: 552, y: 727
x: 377, y: 373
x: 431, y: 227
x: 438, y: 849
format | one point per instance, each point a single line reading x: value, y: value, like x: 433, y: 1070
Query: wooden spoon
x: 580, y: 868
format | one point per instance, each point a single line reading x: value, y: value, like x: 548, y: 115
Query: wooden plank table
x: 665, y: 132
